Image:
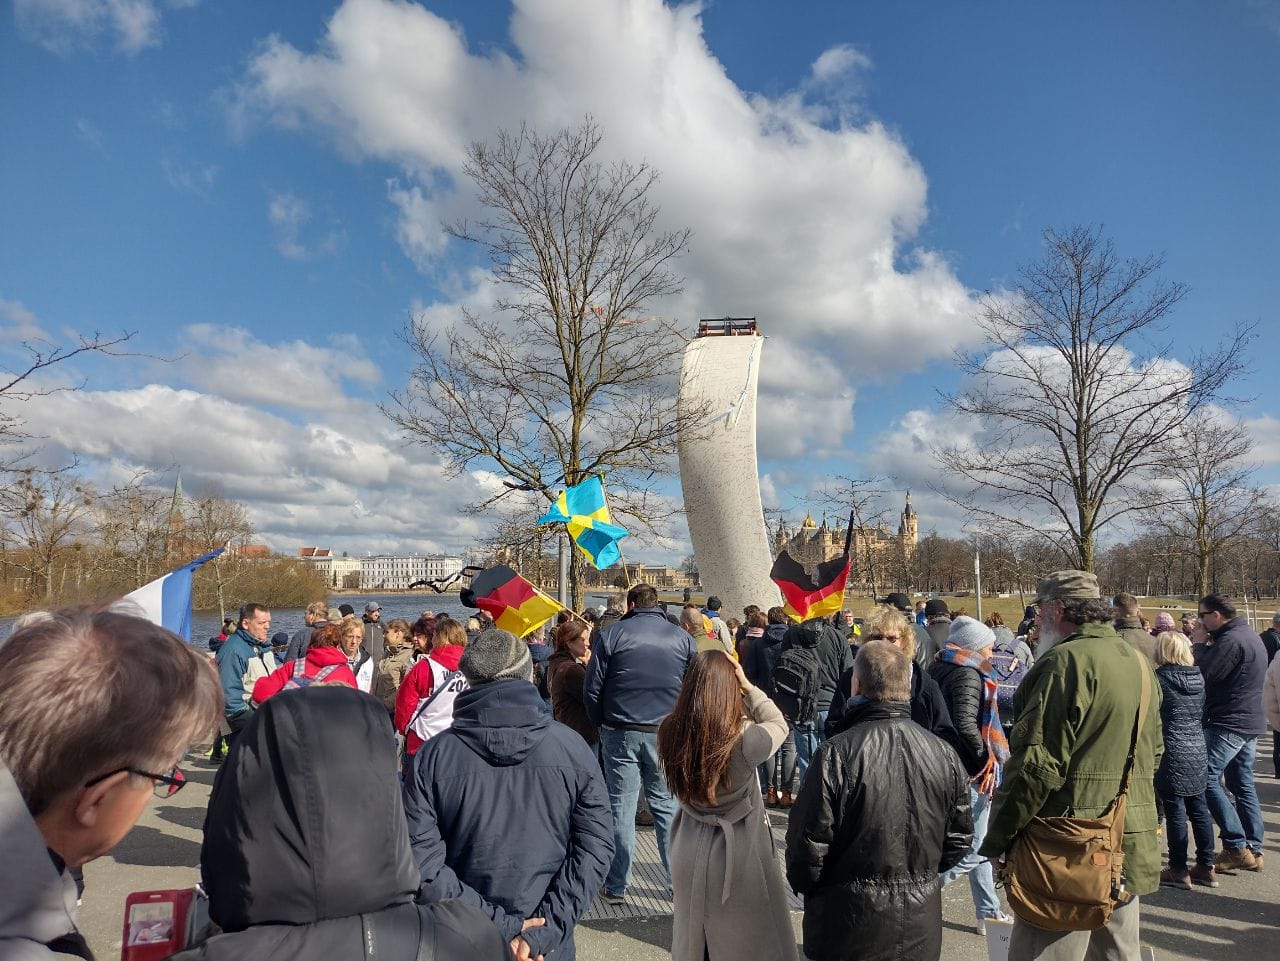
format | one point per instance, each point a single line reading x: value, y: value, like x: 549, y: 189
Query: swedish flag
x: 583, y: 509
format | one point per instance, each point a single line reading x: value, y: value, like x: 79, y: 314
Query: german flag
x: 515, y: 604
x: 805, y: 597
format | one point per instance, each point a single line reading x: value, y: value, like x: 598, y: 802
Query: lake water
x: 206, y: 624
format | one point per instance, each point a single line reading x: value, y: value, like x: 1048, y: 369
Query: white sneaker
x: 980, y: 928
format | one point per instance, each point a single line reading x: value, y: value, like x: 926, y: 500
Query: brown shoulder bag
x: 1065, y: 873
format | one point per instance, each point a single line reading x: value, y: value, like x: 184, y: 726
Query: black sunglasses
x: 167, y: 785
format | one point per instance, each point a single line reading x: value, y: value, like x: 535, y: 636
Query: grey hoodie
x: 37, y: 903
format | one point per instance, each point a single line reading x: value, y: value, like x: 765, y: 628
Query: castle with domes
x: 812, y: 543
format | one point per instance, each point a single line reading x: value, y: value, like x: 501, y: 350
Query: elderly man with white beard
x: 1077, y: 716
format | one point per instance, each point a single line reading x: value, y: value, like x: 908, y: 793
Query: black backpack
x: 795, y: 684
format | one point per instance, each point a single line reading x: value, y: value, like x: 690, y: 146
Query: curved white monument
x: 718, y: 469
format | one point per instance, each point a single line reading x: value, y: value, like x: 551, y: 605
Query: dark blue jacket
x: 636, y: 670
x: 761, y: 657
x: 1234, y: 667
x: 508, y: 811
x: 1185, y: 763
x: 233, y: 660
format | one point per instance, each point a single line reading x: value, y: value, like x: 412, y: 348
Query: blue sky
x: 257, y: 190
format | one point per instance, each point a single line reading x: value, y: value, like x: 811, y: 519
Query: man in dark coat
x: 633, y: 678
x: 1129, y: 625
x: 1234, y: 664
x: 867, y: 859
x: 316, y: 615
x: 507, y: 808
x: 292, y: 873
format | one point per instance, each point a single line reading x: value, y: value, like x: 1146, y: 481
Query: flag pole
x: 626, y: 574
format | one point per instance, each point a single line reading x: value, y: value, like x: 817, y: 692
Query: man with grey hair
x: 83, y: 745
x: 316, y: 615
x: 507, y: 808
x: 1077, y: 711
x: 883, y: 811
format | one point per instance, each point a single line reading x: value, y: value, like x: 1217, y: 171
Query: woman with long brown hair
x: 721, y: 846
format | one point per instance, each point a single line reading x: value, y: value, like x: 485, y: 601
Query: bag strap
x: 440, y: 684
x: 1144, y: 700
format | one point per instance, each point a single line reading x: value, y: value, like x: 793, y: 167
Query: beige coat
x: 1271, y: 694
x: 730, y: 896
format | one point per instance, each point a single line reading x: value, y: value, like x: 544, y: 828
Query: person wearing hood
x: 324, y: 662
x: 251, y: 640
x: 288, y: 870
x: 84, y: 745
x: 968, y: 683
x: 834, y: 658
x: 507, y: 808
x: 778, y: 773
x: 1180, y: 779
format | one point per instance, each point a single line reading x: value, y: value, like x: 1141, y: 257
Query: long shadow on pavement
x: 150, y: 847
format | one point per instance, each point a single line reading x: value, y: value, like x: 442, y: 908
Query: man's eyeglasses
x: 167, y: 785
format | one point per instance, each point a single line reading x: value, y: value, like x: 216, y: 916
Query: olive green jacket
x: 1076, y: 709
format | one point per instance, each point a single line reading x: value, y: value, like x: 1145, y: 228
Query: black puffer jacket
x: 884, y: 809
x: 928, y: 708
x: 1185, y: 763
x: 834, y: 654
x: 305, y: 842
x: 962, y: 690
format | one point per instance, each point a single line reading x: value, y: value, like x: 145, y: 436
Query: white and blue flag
x: 167, y: 600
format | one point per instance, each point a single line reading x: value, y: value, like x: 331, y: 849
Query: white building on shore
x: 337, y: 570
x: 389, y: 572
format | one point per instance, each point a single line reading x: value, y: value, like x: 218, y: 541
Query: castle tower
x: 910, y: 528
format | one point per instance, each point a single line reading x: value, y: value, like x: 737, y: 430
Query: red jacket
x: 317, y: 658
x: 416, y: 686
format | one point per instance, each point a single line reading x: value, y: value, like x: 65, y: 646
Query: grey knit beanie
x: 496, y: 655
x: 970, y: 634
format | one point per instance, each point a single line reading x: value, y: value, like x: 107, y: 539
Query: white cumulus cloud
x: 801, y: 216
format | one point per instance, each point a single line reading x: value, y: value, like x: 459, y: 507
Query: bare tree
x: 1203, y: 491
x: 861, y: 497
x: 1072, y: 397
x: 48, y: 513
x: 213, y: 521
x: 564, y: 379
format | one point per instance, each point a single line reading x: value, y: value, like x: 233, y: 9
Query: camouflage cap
x: 1064, y: 585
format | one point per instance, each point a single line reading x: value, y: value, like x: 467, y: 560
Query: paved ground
x: 1239, y: 921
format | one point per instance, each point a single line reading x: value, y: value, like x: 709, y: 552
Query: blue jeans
x: 631, y: 762
x: 808, y: 737
x: 982, y: 884
x: 1177, y: 810
x: 1231, y: 757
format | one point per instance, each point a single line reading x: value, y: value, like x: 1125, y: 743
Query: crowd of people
x: 451, y: 785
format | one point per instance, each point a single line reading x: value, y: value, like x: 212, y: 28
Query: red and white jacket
x: 416, y: 686
x: 317, y: 659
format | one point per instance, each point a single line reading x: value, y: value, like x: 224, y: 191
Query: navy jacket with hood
x: 761, y: 657
x: 508, y: 812
x: 636, y: 671
x: 1234, y: 668
x: 305, y: 843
